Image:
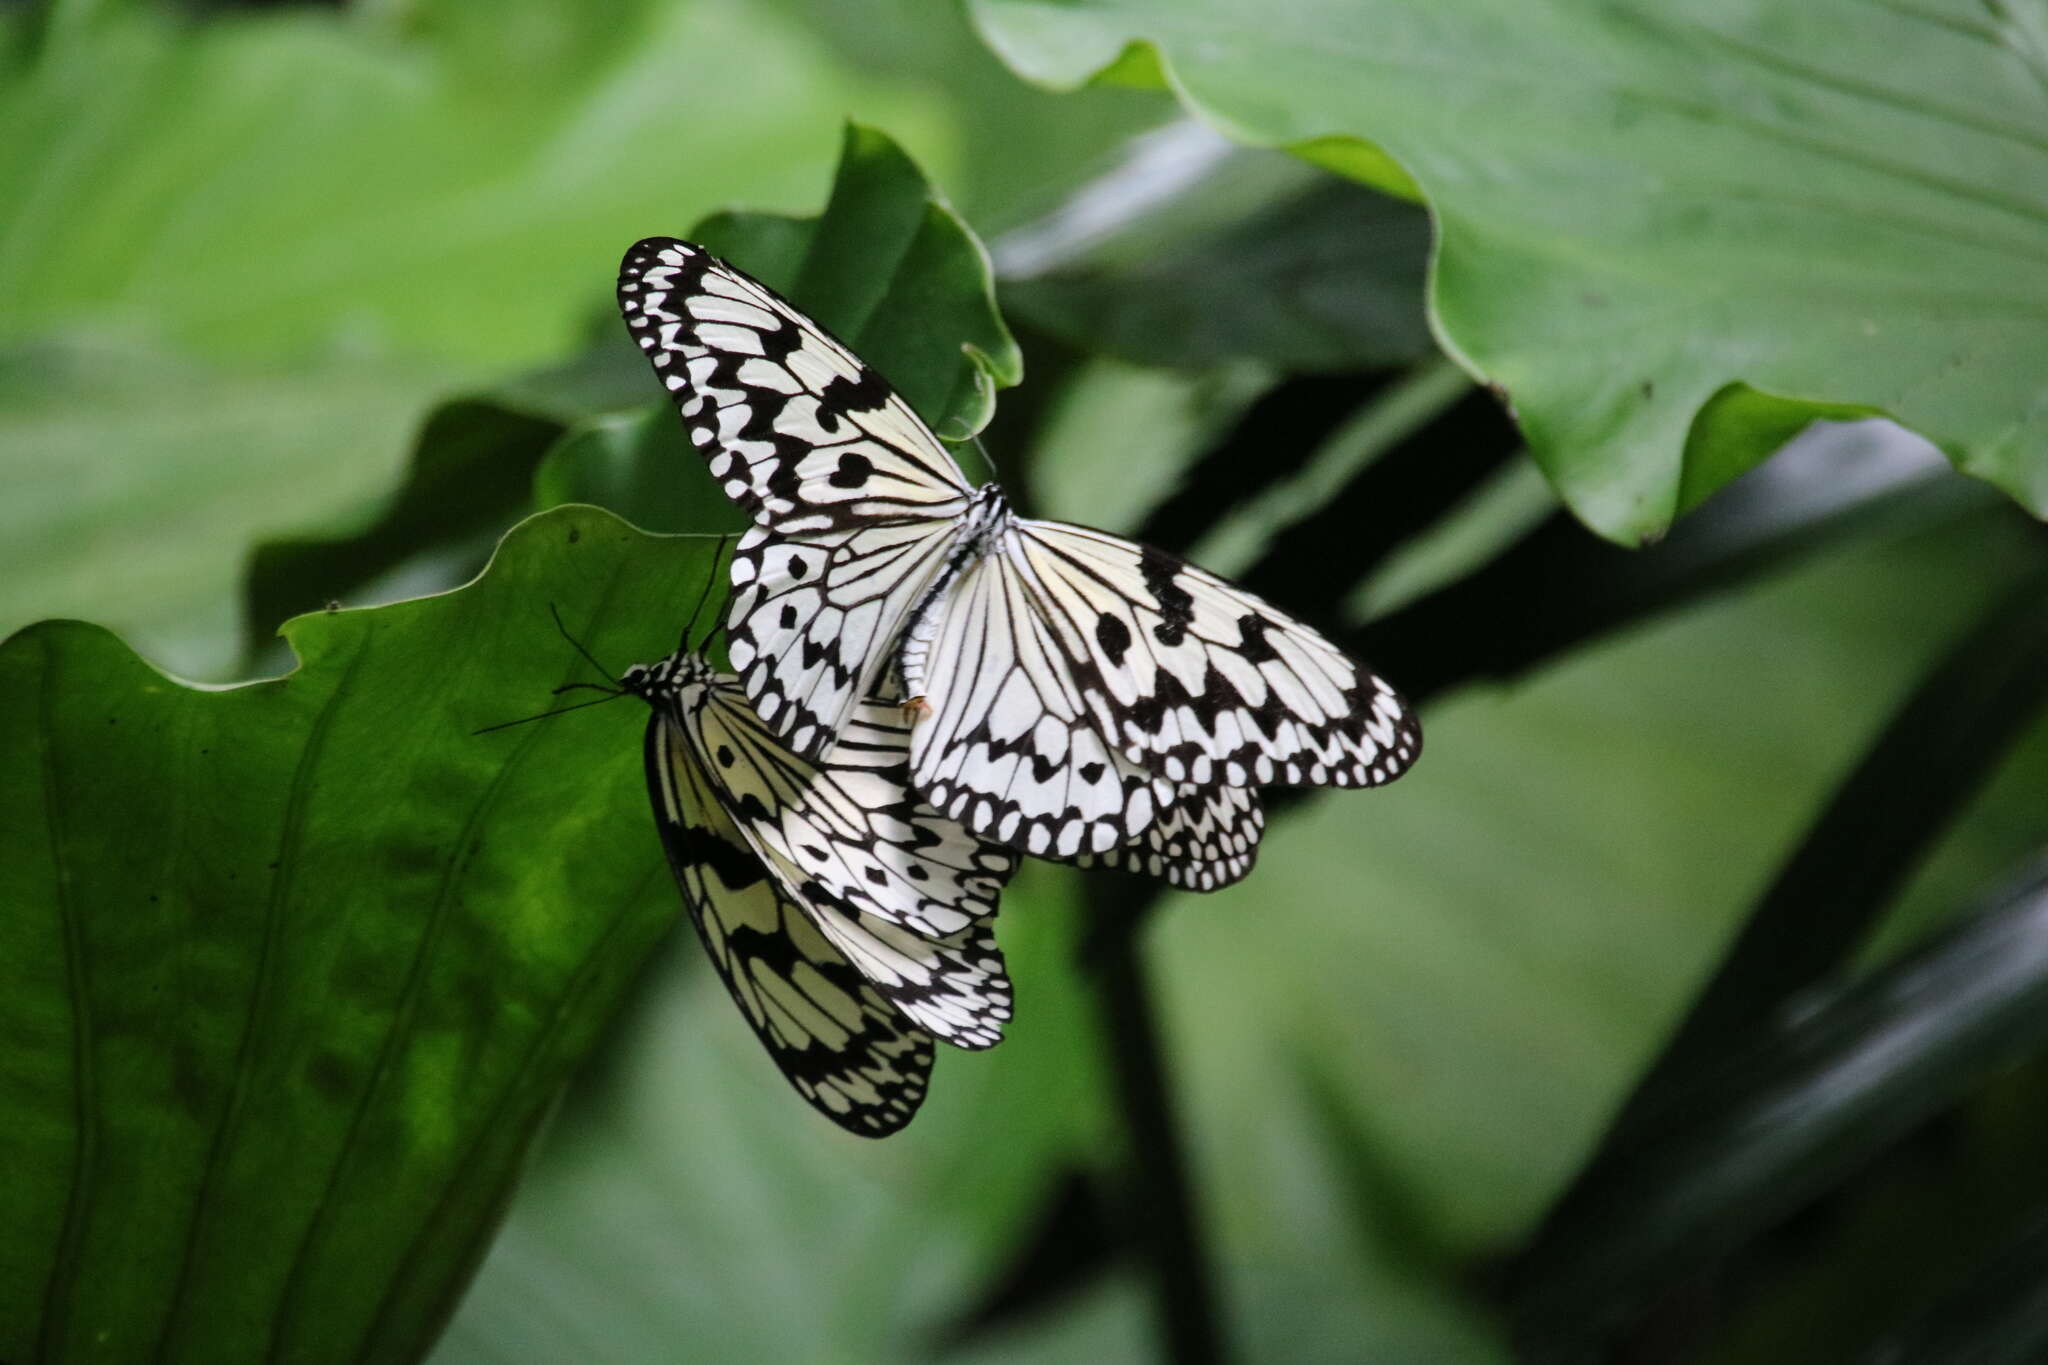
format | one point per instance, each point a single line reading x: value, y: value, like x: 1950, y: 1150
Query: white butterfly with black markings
x: 850, y: 923
x: 1077, y: 695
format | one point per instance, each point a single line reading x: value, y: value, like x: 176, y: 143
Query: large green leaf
x: 1936, y: 754
x: 642, y: 466
x: 1671, y: 232
x: 291, y: 972
x: 1815, y: 1094
x: 1473, y: 964
x: 1325, y: 275
x: 374, y: 981
x: 472, y: 464
x: 1021, y: 147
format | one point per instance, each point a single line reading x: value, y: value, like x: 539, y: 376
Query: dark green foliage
x: 294, y: 970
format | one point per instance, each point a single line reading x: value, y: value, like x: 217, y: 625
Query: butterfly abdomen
x: 988, y: 517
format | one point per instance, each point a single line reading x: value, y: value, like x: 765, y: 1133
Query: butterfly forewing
x: 1201, y: 681
x: 798, y: 431
x: 1004, y: 743
x: 844, y: 1047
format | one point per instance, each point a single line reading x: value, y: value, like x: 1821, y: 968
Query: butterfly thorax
x: 986, y: 520
x: 675, y: 684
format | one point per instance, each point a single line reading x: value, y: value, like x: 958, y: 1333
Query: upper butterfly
x: 1076, y: 691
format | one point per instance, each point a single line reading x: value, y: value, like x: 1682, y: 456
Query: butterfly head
x: 668, y: 681
x: 988, y: 507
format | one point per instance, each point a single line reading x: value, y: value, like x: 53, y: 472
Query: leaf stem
x: 1165, y: 1227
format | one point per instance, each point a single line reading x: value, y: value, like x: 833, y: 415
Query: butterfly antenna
x: 558, y: 711
x: 988, y: 466
x: 587, y: 687
x: 577, y: 644
x: 710, y: 583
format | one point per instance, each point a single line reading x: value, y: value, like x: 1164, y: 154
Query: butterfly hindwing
x: 1204, y: 838
x: 798, y: 431
x: 840, y: 1042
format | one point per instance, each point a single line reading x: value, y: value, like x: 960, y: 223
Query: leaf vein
x: 79, y: 1200
x: 263, y: 989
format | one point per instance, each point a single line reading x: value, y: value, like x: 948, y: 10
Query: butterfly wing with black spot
x: 847, y: 1050
x: 905, y: 895
x: 799, y: 431
x: 1008, y: 746
x: 815, y: 615
x: 1202, y: 682
x: 1005, y: 743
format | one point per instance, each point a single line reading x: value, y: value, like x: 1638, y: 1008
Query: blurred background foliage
x: 1685, y: 1003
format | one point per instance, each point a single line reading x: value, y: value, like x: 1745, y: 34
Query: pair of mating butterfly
x: 928, y: 686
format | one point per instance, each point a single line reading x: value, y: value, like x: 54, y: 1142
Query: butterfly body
x: 986, y: 520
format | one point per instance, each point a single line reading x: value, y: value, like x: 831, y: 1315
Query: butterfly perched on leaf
x: 850, y: 923
x: 1073, y: 694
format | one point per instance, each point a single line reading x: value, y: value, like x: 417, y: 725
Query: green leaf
x: 891, y: 270
x: 472, y: 469
x: 1638, y: 205
x: 471, y: 474
x: 292, y: 971
x: 1918, y: 776
x: 1326, y: 278
x: 243, y: 254
x: 1476, y: 969
x: 689, y: 1196
x: 1020, y: 146
x: 1996, y: 1315
x: 1967, y: 714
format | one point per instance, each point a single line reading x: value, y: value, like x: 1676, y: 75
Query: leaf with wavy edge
x: 292, y: 971
x: 1834, y: 204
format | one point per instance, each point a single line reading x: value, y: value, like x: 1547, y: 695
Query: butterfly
x: 851, y: 924
x: 1075, y: 695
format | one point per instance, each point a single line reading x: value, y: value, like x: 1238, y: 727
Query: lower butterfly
x: 851, y: 924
